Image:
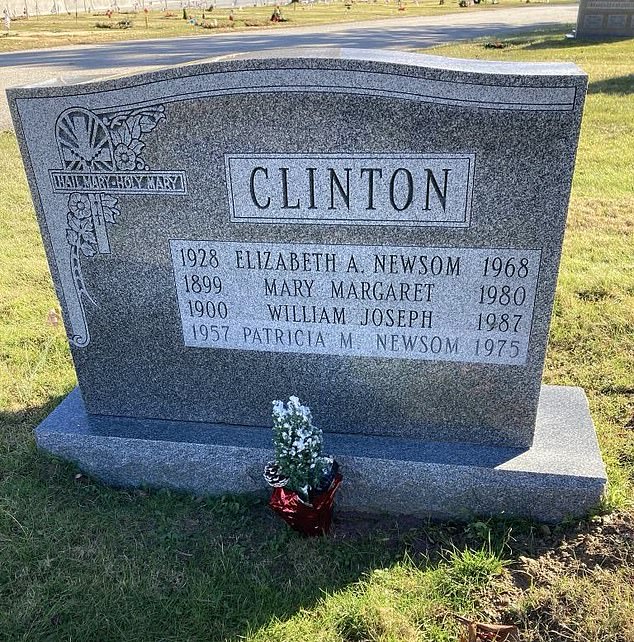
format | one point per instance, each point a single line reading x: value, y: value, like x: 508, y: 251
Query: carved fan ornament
x: 101, y: 148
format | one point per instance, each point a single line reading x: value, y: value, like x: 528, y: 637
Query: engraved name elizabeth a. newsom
x: 101, y: 156
x: 351, y: 189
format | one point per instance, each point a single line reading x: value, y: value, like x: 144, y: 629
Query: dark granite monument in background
x: 605, y: 19
x: 377, y: 233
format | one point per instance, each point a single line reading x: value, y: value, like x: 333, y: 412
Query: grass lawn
x: 59, y: 30
x: 79, y: 561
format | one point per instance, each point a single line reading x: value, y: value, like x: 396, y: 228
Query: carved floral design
x: 79, y: 205
x: 126, y: 130
x: 81, y: 233
x: 124, y: 157
x: 81, y: 229
x: 91, y: 143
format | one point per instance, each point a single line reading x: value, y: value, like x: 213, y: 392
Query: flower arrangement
x: 304, y: 480
x: 298, y: 445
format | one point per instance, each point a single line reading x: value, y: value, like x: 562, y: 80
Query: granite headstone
x: 378, y: 233
x: 605, y: 19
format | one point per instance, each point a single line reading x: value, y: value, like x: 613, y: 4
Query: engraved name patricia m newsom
x: 441, y: 304
x: 359, y: 189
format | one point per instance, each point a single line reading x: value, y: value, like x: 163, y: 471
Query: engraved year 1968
x: 497, y: 266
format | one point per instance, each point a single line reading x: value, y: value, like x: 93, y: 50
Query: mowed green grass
x: 592, y: 333
x: 68, y: 29
x: 80, y: 561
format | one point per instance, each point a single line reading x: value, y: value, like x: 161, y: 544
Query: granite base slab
x: 561, y: 475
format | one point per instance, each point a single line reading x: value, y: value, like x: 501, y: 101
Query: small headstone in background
x: 605, y: 18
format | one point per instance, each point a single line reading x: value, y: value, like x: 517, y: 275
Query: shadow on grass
x: 623, y: 85
x: 544, y: 39
x: 564, y: 42
x: 90, y: 562
x: 600, y: 40
x: 29, y: 417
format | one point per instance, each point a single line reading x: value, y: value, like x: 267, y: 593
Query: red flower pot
x: 309, y: 519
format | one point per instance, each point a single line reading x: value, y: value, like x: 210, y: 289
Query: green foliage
x: 468, y: 571
x: 405, y: 601
x: 298, y: 445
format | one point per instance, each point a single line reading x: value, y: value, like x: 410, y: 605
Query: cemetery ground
x: 88, y: 28
x: 82, y: 561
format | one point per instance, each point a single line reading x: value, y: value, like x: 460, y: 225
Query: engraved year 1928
x: 199, y: 257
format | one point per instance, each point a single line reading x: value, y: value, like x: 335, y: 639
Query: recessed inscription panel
x: 617, y: 21
x: 351, y: 189
x: 69, y: 182
x: 440, y: 304
x: 608, y: 4
x: 605, y: 17
x: 593, y: 21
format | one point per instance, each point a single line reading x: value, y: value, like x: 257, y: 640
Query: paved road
x: 25, y: 67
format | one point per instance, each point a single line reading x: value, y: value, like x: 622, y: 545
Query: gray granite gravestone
x: 605, y: 18
x: 378, y: 233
